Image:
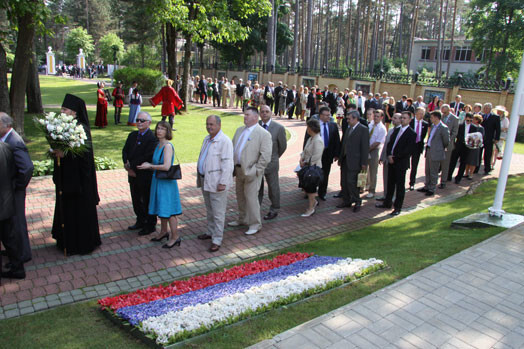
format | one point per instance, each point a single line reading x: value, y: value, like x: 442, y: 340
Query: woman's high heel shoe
x: 176, y: 243
x: 165, y: 236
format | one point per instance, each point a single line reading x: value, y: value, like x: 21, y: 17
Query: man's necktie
x: 326, y: 136
x: 418, y: 131
x: 265, y: 126
x: 372, y: 130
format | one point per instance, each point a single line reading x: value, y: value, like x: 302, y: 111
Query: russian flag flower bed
x: 189, y: 307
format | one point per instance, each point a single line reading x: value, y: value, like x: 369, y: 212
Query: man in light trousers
x: 215, y: 177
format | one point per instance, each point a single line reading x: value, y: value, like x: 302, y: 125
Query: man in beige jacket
x: 252, y: 153
x: 215, y: 176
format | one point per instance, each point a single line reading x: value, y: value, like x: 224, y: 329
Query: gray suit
x: 278, y: 136
x: 24, y: 172
x: 452, y: 122
x: 435, y: 154
x: 353, y: 157
x: 384, y: 159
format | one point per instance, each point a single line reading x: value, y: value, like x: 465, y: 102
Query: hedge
x: 149, y: 80
x: 45, y: 167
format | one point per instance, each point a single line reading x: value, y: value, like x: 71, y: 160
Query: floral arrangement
x: 474, y: 140
x: 189, y: 307
x: 63, y: 133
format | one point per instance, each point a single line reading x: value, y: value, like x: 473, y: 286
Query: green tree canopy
x: 78, y: 38
x: 496, y: 28
x: 107, y: 45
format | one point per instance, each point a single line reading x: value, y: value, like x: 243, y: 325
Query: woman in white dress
x: 232, y: 93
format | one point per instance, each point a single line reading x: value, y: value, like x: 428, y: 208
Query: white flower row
x: 64, y: 128
x: 231, y: 306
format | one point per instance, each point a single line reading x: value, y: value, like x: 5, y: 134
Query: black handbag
x: 174, y: 172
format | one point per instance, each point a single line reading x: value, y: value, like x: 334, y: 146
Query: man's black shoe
x: 429, y: 193
x: 411, y: 187
x: 135, y: 226
x: 270, y: 215
x: 8, y: 265
x: 343, y: 205
x: 382, y: 206
x: 457, y: 181
x: 323, y: 198
x: 14, y: 274
x: 357, y: 208
x: 422, y: 190
x: 146, y: 231
x: 442, y: 185
x: 395, y: 213
x: 382, y: 198
x: 339, y: 195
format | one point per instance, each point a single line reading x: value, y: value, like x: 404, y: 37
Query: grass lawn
x: 109, y: 141
x: 519, y: 148
x: 407, y: 243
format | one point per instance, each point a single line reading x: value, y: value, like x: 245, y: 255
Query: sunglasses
x: 141, y: 120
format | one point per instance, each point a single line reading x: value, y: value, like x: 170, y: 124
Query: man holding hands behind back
x: 251, y: 154
x: 215, y: 176
x: 139, y: 148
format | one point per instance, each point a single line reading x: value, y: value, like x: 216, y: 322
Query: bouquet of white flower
x: 63, y: 133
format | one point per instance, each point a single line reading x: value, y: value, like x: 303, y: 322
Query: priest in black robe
x: 75, y: 224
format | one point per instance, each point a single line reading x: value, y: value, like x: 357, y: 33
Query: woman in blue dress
x: 164, y: 200
x: 135, y: 100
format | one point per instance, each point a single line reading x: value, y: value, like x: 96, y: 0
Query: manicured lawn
x: 519, y: 148
x: 54, y: 88
x: 407, y: 243
x: 109, y: 141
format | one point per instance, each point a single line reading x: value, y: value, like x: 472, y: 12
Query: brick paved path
x: 126, y: 261
x: 474, y: 299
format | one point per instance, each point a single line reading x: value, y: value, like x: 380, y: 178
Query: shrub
x: 520, y: 134
x: 149, y: 81
x: 45, y: 167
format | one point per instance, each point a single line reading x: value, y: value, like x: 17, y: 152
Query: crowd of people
x: 358, y: 133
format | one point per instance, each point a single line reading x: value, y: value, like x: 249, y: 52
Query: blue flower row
x: 138, y: 313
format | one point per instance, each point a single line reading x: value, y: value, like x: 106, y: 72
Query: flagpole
x: 517, y: 109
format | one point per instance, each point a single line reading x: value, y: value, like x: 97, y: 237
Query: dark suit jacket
x: 461, y: 137
x: 140, y: 153
x: 423, y: 133
x: 404, y: 148
x: 331, y: 100
x: 7, y: 181
x: 276, y: 94
x: 290, y: 97
x: 278, y: 137
x: 399, y: 106
x: 333, y: 148
x: 267, y: 89
x: 491, y: 126
x: 355, y: 148
x: 23, y: 164
x: 452, y: 106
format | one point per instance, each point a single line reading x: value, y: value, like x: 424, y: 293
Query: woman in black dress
x: 75, y: 224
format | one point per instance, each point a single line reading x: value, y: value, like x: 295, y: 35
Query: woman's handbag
x: 174, y: 172
x: 309, y: 177
x: 362, y: 179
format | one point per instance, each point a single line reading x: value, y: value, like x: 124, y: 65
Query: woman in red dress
x: 101, y: 107
x: 169, y: 99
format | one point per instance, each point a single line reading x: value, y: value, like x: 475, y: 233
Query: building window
x: 463, y: 54
x: 445, y: 53
x: 480, y: 57
x: 425, y: 53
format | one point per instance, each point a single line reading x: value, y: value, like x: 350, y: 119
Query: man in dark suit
x: 491, y: 124
x: 291, y: 99
x: 202, y: 87
x: 276, y: 96
x: 269, y: 94
x: 7, y: 211
x: 398, y: 153
x: 24, y: 172
x: 278, y: 136
x: 331, y: 100
x: 461, y: 151
x: 353, y: 159
x: 331, y: 139
x: 420, y: 126
x: 401, y: 104
x: 139, y: 148
x: 457, y: 106
x: 239, y: 91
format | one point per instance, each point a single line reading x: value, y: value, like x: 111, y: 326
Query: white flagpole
x: 517, y: 109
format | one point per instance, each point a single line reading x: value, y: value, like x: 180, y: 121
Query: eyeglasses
x: 141, y: 120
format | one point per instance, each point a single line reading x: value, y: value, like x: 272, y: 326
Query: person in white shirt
x: 377, y: 137
x: 131, y: 89
x: 419, y: 103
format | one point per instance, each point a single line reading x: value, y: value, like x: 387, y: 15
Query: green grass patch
x: 407, y: 244
x: 518, y: 148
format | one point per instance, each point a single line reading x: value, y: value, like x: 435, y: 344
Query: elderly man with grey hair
x: 139, y: 148
x: 215, y: 177
x: 24, y: 172
x: 452, y: 122
x: 491, y: 124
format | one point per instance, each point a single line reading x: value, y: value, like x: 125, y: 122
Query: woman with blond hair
x: 303, y: 101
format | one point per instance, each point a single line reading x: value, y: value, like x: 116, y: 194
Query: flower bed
x: 186, y: 308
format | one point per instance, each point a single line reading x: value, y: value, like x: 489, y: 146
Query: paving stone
x: 40, y: 306
x: 54, y: 303
x: 27, y: 310
x: 12, y: 313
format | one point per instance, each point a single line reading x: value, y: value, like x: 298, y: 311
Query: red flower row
x: 179, y: 287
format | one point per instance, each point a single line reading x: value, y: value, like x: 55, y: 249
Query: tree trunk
x: 365, y: 38
x: 413, y: 31
x: 187, y: 60
x: 270, y: 36
x: 309, y: 32
x: 319, y: 23
x: 348, y: 39
x: 452, y: 37
x: 502, y: 68
x: 24, y: 43
x: 356, y: 48
x: 4, y: 90
x: 325, y: 44
x: 34, y: 97
x: 295, y: 36
x: 438, y: 54
x: 171, y: 36
x: 441, y: 57
x: 339, y: 34
x: 384, y: 35
x: 400, y: 29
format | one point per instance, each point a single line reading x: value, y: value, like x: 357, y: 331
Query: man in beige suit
x: 251, y: 153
